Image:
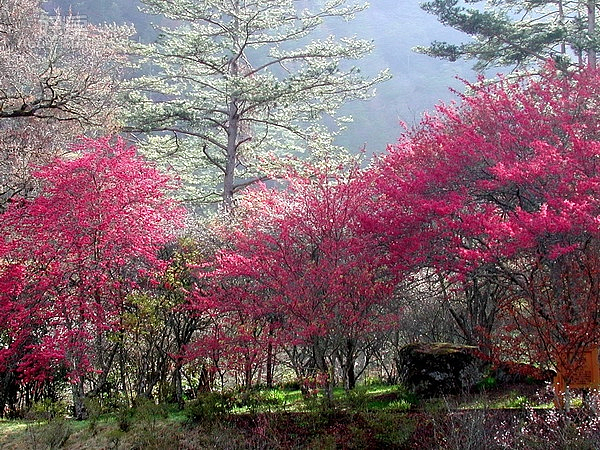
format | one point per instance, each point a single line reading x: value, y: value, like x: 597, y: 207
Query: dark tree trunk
x: 79, y: 410
x: 269, y: 366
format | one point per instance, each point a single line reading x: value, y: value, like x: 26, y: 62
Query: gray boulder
x: 431, y: 370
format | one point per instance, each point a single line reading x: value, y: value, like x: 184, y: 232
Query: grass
x: 275, y: 418
x: 150, y: 422
x: 12, y: 432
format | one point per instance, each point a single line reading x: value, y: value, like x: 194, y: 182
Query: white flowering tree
x: 58, y: 79
x: 236, y: 87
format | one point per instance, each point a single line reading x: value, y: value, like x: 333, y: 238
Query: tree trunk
x: 347, y: 360
x: 204, y: 380
x: 323, y: 367
x: 233, y: 128
x: 8, y: 390
x: 178, y: 384
x: 248, y: 373
x: 269, y: 366
x: 231, y: 156
x: 591, y: 10
x: 79, y: 411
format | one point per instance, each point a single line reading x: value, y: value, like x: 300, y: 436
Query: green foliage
x: 94, y: 411
x: 400, y: 405
x: 148, y: 412
x: 508, y: 33
x: 209, y: 407
x: 358, y: 398
x: 318, y: 403
x: 518, y: 402
x: 382, y: 398
x: 145, y: 413
x: 47, y: 410
x: 124, y: 417
x: 236, y: 98
x: 256, y: 400
x: 487, y: 383
x: 390, y: 430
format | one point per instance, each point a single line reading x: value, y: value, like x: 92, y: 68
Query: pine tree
x: 240, y: 85
x: 518, y: 33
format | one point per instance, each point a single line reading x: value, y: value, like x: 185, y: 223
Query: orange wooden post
x: 586, y: 376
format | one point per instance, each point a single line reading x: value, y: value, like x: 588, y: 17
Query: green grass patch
x: 12, y: 432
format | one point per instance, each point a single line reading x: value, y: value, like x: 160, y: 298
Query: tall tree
x: 82, y: 246
x: 58, y: 79
x: 517, y: 33
x: 240, y: 79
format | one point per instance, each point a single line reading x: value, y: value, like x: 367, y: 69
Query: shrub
x: 259, y: 400
x: 358, y: 398
x: 94, y: 410
x: 47, y: 410
x: 519, y: 402
x: 390, y: 430
x: 148, y: 412
x: 124, y: 416
x: 209, y: 407
x: 486, y: 384
x: 51, y: 435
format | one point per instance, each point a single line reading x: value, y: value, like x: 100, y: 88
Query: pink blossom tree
x: 87, y: 241
x: 304, y: 275
x: 501, y: 192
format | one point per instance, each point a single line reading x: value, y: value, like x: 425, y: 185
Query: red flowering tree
x: 304, y: 276
x: 501, y: 192
x: 82, y: 245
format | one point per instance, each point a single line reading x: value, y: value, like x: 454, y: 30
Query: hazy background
x: 396, y: 26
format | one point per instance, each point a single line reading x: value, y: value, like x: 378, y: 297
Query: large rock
x: 431, y: 370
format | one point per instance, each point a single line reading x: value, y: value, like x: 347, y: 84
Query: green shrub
x: 124, y: 415
x: 390, y: 430
x: 259, y: 400
x: 51, y: 435
x: 374, y: 381
x: 520, y: 402
x: 400, y: 405
x: 47, y: 410
x: 358, y: 398
x: 209, y: 407
x: 487, y: 383
x: 405, y: 395
x: 148, y: 412
x: 293, y: 385
x: 94, y: 410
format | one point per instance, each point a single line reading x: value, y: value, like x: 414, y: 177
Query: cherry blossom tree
x: 83, y: 245
x: 501, y: 190
x: 304, y: 275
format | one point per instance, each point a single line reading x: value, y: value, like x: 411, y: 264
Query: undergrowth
x: 369, y: 417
